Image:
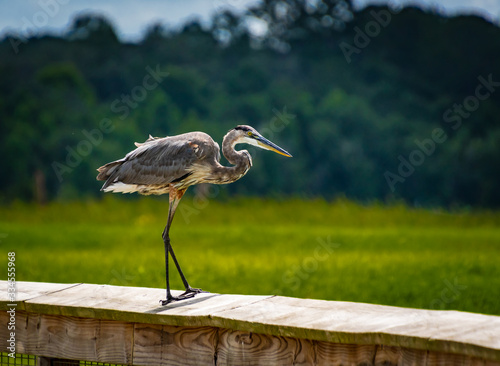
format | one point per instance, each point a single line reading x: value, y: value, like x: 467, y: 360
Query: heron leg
x: 174, y: 198
x: 188, y: 288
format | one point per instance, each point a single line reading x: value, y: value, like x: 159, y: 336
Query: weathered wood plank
x: 413, y: 357
x: 147, y: 344
x: 136, y: 304
x: 20, y: 334
x: 460, y: 333
x: 343, y: 322
x: 246, y: 348
x: 172, y: 345
x: 80, y: 339
x: 305, y: 353
x: 388, y: 355
x: 29, y: 290
x: 337, y: 354
x: 73, y: 338
x: 450, y: 359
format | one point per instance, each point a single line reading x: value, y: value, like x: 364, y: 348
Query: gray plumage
x: 172, y: 164
x: 181, y: 161
x: 159, y: 162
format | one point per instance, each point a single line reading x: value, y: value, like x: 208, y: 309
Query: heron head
x: 249, y: 135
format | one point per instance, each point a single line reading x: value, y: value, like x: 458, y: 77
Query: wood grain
x: 146, y: 344
x: 246, y: 348
x: 29, y: 290
x: 72, y: 338
x: 413, y: 357
x: 449, y: 359
x: 124, y: 324
x: 80, y: 339
x: 171, y: 345
x: 387, y: 355
x: 305, y: 353
x: 20, y: 335
x: 337, y: 354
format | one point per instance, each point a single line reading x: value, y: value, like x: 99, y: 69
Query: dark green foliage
x: 351, y: 118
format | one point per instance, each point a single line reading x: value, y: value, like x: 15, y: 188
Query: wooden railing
x: 126, y: 325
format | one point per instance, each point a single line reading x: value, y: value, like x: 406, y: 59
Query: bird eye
x: 249, y: 133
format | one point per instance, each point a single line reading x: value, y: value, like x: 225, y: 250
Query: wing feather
x: 160, y: 161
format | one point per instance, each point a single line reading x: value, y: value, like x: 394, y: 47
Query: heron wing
x: 150, y: 138
x: 160, y: 161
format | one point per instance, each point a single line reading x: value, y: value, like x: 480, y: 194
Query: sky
x: 132, y: 18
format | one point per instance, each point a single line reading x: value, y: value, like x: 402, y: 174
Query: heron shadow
x: 182, y: 303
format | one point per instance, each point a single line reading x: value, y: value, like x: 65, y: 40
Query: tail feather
x: 105, y: 171
x: 109, y: 172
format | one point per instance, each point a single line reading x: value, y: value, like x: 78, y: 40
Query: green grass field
x: 310, y: 249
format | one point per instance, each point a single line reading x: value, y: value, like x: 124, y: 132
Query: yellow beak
x: 268, y: 145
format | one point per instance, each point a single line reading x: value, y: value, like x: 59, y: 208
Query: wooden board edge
x: 378, y: 339
x: 20, y: 305
x: 385, y: 339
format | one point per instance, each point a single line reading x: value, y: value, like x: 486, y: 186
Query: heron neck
x: 241, y: 160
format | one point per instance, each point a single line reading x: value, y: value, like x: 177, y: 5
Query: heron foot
x: 193, y: 291
x: 188, y: 294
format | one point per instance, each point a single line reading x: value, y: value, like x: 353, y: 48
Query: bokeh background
x: 391, y: 110
x: 377, y: 101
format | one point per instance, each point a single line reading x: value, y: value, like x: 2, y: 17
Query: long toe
x: 191, y: 290
x: 183, y: 296
x: 167, y: 301
x: 170, y: 299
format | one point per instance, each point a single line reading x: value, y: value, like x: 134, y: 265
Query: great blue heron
x: 172, y: 164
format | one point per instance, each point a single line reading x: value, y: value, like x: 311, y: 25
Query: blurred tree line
x: 377, y: 104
